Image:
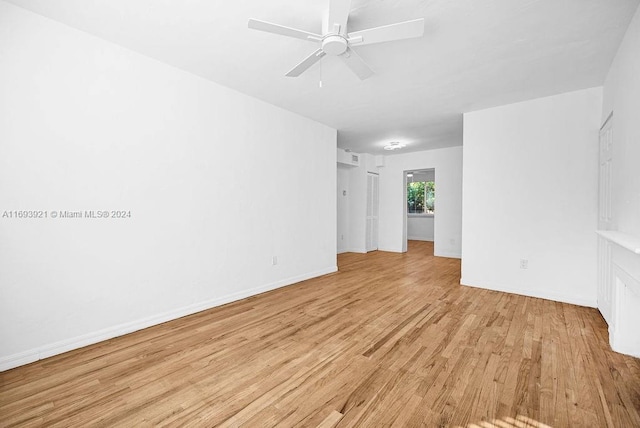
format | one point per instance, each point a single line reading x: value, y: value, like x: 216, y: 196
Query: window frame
x: 423, y: 214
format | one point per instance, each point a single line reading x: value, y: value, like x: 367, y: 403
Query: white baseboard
x: 448, y: 254
x: 62, y: 346
x: 419, y: 238
x: 390, y: 250
x: 451, y: 255
x: 357, y: 250
x: 558, y: 297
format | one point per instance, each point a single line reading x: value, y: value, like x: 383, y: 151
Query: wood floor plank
x: 389, y: 340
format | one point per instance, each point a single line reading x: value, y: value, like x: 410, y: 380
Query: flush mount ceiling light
x: 394, y: 145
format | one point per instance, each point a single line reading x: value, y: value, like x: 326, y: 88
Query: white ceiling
x: 474, y: 54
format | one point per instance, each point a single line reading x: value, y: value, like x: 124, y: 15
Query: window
x: 421, y: 197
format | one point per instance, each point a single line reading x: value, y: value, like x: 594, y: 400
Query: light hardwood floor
x: 390, y: 340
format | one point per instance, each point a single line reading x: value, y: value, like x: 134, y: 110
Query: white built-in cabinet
x: 372, y: 212
x: 618, y: 259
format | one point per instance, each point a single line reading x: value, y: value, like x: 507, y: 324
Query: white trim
x: 391, y: 250
x: 448, y: 254
x: 558, y: 297
x: 419, y: 238
x: 606, y: 120
x: 356, y: 250
x: 65, y: 345
x: 625, y: 240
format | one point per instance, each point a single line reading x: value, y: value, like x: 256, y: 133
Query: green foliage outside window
x: 421, y: 197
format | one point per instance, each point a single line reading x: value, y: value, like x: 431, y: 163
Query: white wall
x: 87, y: 125
x: 420, y: 228
x: 447, y: 232
x: 622, y: 97
x: 428, y: 175
x: 358, y: 208
x: 530, y: 192
x: 343, y: 194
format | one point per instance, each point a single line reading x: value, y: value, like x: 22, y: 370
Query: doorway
x: 419, y: 208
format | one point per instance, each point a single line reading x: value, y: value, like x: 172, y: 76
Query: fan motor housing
x: 334, y: 45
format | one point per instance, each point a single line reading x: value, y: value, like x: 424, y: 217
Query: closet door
x: 605, y: 185
x: 372, y: 212
x: 605, y: 222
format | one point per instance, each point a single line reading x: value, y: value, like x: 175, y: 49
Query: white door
x: 604, y: 190
x: 605, y: 221
x: 372, y: 212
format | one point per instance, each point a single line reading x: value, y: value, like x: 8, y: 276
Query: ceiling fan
x: 336, y: 41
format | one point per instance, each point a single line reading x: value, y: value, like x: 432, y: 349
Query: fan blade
x: 356, y: 64
x: 338, y: 15
x: 306, y: 63
x: 282, y: 30
x: 387, y: 33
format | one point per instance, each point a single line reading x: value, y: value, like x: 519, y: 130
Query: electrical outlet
x: 274, y: 260
x: 342, y: 237
x: 524, y: 264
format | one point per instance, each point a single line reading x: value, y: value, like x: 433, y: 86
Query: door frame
x: 404, y: 204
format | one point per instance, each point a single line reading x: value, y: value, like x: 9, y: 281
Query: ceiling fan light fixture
x: 334, y: 45
x: 336, y: 40
x: 395, y: 145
